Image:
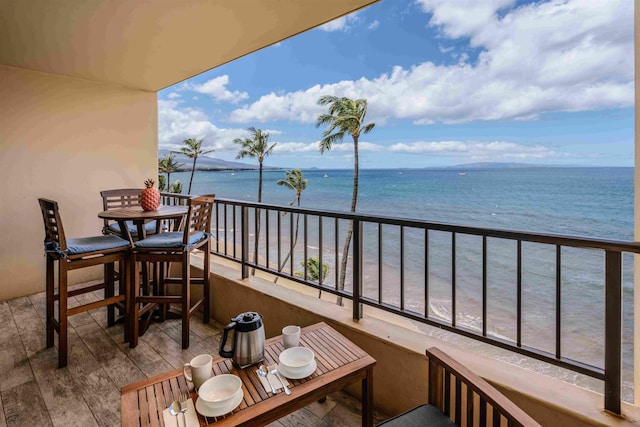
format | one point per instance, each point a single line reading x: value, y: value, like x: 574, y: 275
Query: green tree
x: 192, y: 149
x: 257, y: 146
x: 162, y: 183
x: 296, y: 182
x: 176, y: 187
x: 345, y: 117
x: 168, y: 165
x: 314, y: 272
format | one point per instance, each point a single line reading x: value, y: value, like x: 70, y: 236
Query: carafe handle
x: 223, y: 341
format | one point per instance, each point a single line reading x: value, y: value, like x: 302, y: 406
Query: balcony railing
x: 276, y: 239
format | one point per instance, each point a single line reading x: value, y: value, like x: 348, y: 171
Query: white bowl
x: 218, y: 391
x: 296, y: 357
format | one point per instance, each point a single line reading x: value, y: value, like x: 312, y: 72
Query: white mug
x: 199, y: 369
x: 291, y: 336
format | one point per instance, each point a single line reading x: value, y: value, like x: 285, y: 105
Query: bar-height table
x: 140, y: 217
x: 339, y: 363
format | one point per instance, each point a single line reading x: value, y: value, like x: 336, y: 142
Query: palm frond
x: 368, y: 128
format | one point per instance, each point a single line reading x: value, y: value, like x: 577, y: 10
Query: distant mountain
x: 495, y: 165
x: 206, y: 163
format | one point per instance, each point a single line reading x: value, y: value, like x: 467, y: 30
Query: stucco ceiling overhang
x: 150, y: 44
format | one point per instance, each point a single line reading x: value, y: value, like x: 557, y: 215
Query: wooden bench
x: 458, y: 397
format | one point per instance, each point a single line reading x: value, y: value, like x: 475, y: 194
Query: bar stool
x: 72, y: 254
x: 174, y: 247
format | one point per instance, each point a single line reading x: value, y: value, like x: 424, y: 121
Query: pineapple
x: 150, y: 197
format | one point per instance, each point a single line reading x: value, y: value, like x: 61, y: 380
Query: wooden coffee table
x: 340, y: 363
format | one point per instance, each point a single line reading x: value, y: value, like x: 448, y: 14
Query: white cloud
x: 217, y: 89
x: 297, y: 147
x: 375, y: 24
x: 463, y: 17
x: 468, y: 150
x: 559, y: 55
x: 174, y: 95
x: 177, y: 124
x: 343, y: 23
x: 479, y: 151
x: 445, y: 49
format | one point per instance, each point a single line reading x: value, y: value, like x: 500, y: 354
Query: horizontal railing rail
x: 275, y: 239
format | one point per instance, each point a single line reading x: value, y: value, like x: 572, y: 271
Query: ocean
x: 589, y: 202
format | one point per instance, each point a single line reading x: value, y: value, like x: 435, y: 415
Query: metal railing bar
x: 291, y: 267
x: 306, y: 254
x: 519, y: 294
x: 357, y: 269
x: 225, y: 231
x: 401, y: 268
x: 336, y: 272
x: 453, y: 279
x: 279, y: 227
x: 426, y: 273
x: 613, y: 331
x: 256, y: 227
x: 244, y: 212
x: 235, y: 228
x: 266, y: 230
x: 558, y: 301
x: 321, y: 265
x: 218, y: 228
x: 484, y: 286
x: 379, y: 262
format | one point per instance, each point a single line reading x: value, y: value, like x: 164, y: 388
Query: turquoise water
x: 592, y: 202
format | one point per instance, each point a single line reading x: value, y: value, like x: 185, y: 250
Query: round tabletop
x: 136, y: 213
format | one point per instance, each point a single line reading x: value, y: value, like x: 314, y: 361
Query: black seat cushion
x: 423, y: 415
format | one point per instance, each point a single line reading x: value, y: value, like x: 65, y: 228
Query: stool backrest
x: 120, y: 198
x: 54, y: 239
x: 199, y: 216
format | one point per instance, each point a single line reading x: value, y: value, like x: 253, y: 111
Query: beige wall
x: 64, y: 139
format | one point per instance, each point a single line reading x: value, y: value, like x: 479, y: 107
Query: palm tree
x: 346, y: 116
x: 297, y: 183
x: 313, y: 271
x: 168, y: 165
x: 256, y: 146
x: 192, y: 149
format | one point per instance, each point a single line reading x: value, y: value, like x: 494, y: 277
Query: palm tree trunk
x: 295, y: 241
x: 168, y: 182
x: 193, y: 170
x: 347, y: 240
x: 257, y: 235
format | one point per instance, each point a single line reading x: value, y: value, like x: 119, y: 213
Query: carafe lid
x: 249, y: 321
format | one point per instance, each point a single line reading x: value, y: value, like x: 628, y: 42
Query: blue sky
x: 448, y: 82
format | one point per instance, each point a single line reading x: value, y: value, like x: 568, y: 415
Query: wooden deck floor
x: 34, y: 392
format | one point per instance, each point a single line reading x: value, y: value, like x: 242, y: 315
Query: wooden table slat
x: 348, y: 344
x: 321, y: 354
x: 161, y: 400
x: 340, y: 351
x: 330, y: 354
x: 154, y: 415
